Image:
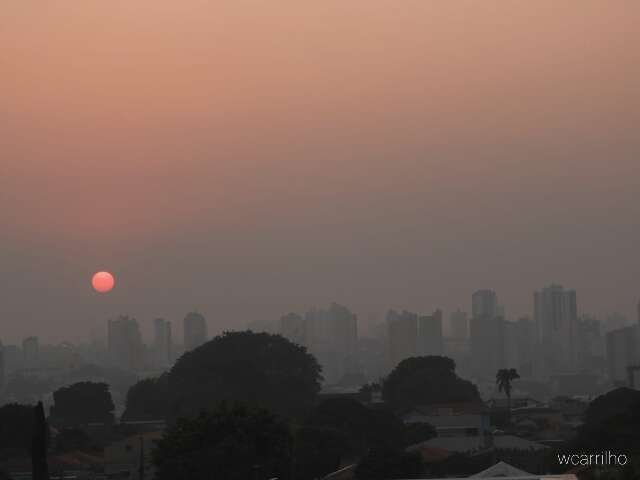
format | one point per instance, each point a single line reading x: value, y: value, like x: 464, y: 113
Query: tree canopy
x: 254, y: 368
x: 318, y: 451
x: 426, y: 380
x: 148, y: 399
x: 82, y: 403
x: 612, y: 421
x: 16, y: 426
x: 230, y: 443
x: 364, y: 427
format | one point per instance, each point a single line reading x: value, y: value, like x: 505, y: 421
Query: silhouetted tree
x: 614, y: 403
x: 612, y: 422
x: 148, y: 399
x: 426, y: 380
x: 83, y: 403
x: 364, y: 427
x: 16, y: 427
x: 318, y: 451
x: 39, y: 445
x: 72, y: 440
x: 504, y: 377
x: 229, y: 443
x: 384, y: 463
x: 253, y: 368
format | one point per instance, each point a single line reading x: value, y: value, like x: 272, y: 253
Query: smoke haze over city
x: 255, y: 158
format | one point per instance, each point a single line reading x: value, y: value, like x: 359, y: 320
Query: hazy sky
x: 248, y: 158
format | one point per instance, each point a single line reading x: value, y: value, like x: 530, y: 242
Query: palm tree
x: 504, y: 377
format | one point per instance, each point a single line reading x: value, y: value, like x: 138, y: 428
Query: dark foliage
x: 612, y: 423
x: 426, y: 380
x: 39, y: 444
x: 82, y: 403
x: 363, y: 427
x: 318, y: 451
x: 616, y: 402
x: 253, y: 368
x: 229, y: 443
x: 148, y: 399
x: 72, y: 440
x: 383, y: 463
x: 418, y: 432
x: 16, y: 427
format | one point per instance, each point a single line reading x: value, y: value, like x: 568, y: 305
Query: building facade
x: 195, y: 330
x: 556, y: 318
x: 162, y: 343
x: 125, y: 346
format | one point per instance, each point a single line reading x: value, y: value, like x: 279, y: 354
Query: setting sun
x: 103, y: 282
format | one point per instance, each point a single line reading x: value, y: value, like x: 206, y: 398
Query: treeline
x: 247, y: 404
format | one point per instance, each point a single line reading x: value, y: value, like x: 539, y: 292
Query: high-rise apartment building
x: 402, y: 335
x: 623, y: 351
x: 484, y: 304
x: 31, y: 352
x: 430, y: 341
x: 486, y: 334
x: 332, y: 336
x: 459, y: 325
x: 556, y: 318
x: 125, y: 346
x: 162, y: 343
x: 525, y: 345
x: 195, y: 331
x: 294, y: 328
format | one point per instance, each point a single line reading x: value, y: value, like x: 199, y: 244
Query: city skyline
x: 389, y: 160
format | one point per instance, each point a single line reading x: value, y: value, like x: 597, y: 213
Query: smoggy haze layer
x: 259, y: 157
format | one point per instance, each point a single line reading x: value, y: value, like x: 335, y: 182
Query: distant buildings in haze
x: 410, y: 335
x: 162, y: 343
x: 124, y: 343
x: 195, y: 330
x: 556, y: 318
x: 330, y: 334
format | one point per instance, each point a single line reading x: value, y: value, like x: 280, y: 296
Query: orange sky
x: 255, y: 157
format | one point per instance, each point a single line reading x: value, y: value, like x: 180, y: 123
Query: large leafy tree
x: 364, y: 427
x: 16, y: 426
x: 82, y: 403
x: 148, y: 399
x: 426, y: 380
x: 228, y: 443
x: 39, y: 444
x: 253, y: 368
x: 318, y: 451
x: 611, y: 423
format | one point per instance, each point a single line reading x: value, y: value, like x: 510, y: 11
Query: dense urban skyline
x: 214, y: 162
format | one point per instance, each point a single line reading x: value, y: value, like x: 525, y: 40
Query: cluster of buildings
x: 124, y: 349
x: 330, y: 334
x: 556, y: 345
x: 551, y: 345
